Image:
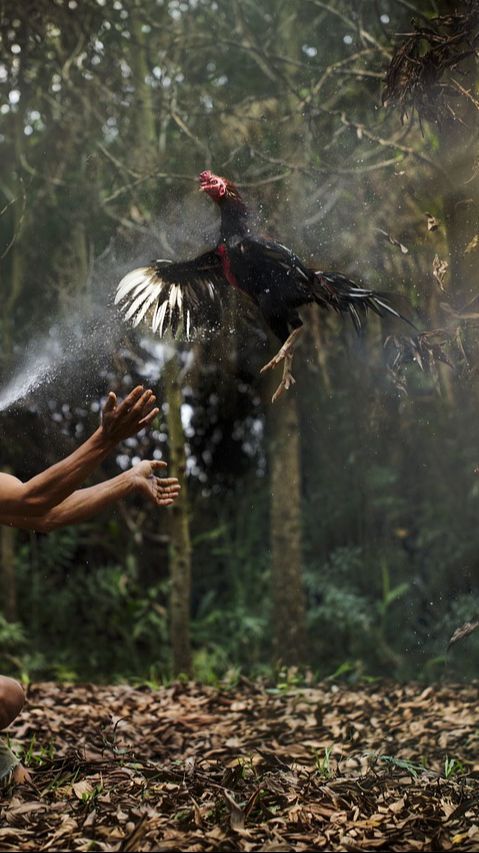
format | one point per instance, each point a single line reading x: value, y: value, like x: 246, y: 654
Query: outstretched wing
x: 185, y: 293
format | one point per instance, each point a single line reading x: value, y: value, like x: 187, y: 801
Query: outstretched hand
x: 123, y: 420
x: 160, y: 491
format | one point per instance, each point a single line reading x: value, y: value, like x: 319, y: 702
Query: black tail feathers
x: 333, y: 290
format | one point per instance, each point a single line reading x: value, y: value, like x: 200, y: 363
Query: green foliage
x: 323, y: 764
x: 108, y: 622
x: 34, y: 755
x: 345, y: 620
x: 12, y: 634
x: 394, y: 763
x: 453, y: 767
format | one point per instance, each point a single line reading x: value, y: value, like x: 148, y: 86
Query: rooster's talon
x: 273, y: 363
x: 287, y: 381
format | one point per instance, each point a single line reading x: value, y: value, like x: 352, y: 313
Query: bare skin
x: 56, y: 483
x: 52, y: 499
x: 12, y: 699
x: 86, y: 503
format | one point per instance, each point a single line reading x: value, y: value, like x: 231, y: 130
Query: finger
x: 165, y: 502
x: 130, y: 400
x: 143, y: 401
x: 135, y: 394
x: 159, y: 463
x: 110, y: 403
x: 169, y: 481
x: 145, y: 397
x: 149, y: 418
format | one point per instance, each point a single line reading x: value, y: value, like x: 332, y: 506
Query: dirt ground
x: 195, y: 768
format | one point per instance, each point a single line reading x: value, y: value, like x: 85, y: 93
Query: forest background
x: 335, y: 532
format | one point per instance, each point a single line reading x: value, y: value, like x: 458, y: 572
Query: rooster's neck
x: 234, y: 220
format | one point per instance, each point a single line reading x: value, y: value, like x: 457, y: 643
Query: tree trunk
x: 180, y: 544
x: 289, y: 634
x: 145, y: 125
x: 458, y: 132
x: 8, y: 582
x: 288, y: 597
x: 458, y: 156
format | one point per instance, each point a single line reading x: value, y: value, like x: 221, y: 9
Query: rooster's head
x: 216, y: 187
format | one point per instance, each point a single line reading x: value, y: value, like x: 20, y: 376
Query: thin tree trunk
x: 8, y: 585
x: 458, y: 134
x: 289, y: 617
x: 288, y: 597
x: 144, y: 113
x: 180, y: 544
x: 9, y: 591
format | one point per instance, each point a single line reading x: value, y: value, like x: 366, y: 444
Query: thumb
x: 156, y: 464
x: 110, y: 403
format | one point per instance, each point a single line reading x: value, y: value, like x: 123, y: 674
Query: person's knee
x: 12, y: 699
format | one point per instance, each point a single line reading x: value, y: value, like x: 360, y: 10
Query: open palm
x: 160, y: 491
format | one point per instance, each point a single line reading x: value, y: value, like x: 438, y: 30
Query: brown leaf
x: 237, y: 814
x: 81, y: 788
x: 462, y: 632
x: 185, y: 743
x: 133, y: 839
x: 439, y: 270
x: 472, y: 245
x: 432, y: 222
x: 394, y: 242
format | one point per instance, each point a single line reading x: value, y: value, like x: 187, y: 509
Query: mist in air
x: 79, y: 346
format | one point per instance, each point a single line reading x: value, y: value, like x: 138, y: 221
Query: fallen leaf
x: 82, y: 788
x: 394, y: 242
x: 432, y: 222
x: 463, y: 631
x: 237, y: 815
x: 439, y: 270
x: 472, y: 245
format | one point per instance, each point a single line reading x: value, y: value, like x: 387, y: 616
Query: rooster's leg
x: 284, y: 354
x: 287, y: 379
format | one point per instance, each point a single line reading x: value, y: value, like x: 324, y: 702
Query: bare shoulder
x: 10, y: 494
x: 11, y: 489
x: 8, y: 482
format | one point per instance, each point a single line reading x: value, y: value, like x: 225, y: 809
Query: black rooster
x: 189, y: 292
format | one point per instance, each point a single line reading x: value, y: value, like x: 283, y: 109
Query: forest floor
x: 195, y: 768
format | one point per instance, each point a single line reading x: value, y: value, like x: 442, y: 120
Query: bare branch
x: 388, y: 143
x: 20, y: 223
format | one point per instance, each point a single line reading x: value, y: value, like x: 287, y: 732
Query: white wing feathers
x: 175, y: 294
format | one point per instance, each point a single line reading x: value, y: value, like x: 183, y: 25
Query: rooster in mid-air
x: 188, y: 293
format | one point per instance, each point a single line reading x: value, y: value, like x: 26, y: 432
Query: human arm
x: 44, y: 491
x: 85, y: 503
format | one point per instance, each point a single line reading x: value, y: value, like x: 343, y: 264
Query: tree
x: 434, y: 73
x: 289, y: 616
x: 180, y: 542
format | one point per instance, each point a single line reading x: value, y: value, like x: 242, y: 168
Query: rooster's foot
x: 287, y: 381
x: 283, y: 353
